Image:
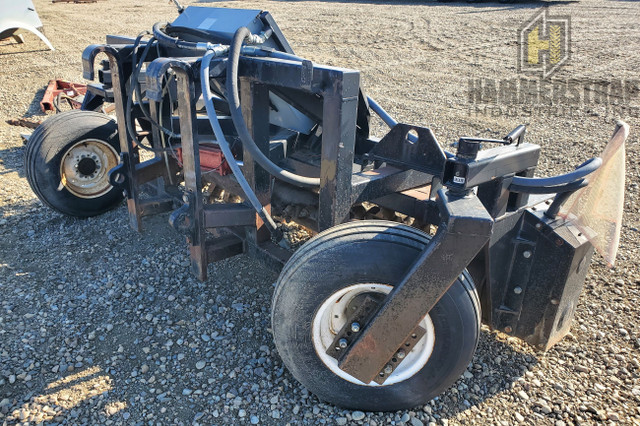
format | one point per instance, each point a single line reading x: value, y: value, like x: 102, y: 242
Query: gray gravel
x: 101, y: 325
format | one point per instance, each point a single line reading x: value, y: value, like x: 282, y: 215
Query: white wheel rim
x: 330, y: 318
x: 84, y: 169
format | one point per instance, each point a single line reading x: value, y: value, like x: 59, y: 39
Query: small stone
x: 357, y: 415
x: 186, y: 392
x: 582, y: 369
x: 275, y: 414
x: 144, y: 368
x: 242, y: 413
x: 12, y: 378
x: 201, y: 364
x: 405, y: 418
x: 519, y: 417
x: 255, y: 420
x: 341, y: 421
x: 109, y: 327
x: 613, y: 416
x: 416, y: 422
x: 523, y: 395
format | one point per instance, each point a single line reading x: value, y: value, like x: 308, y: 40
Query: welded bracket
x: 410, y: 147
x: 465, y: 229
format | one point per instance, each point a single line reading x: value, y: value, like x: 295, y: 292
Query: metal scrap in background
x: 58, y: 90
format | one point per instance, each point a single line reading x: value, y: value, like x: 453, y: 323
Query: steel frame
x: 480, y: 222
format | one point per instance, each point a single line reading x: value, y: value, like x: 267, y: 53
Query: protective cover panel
x: 596, y: 210
x: 223, y: 21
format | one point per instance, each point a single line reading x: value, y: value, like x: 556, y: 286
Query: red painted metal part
x: 58, y: 87
x: 211, y: 159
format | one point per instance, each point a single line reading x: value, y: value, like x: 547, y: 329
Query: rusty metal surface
x: 61, y: 89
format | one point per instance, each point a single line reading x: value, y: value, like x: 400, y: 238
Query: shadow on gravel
x: 498, y: 363
x: 11, y: 159
x: 116, y: 291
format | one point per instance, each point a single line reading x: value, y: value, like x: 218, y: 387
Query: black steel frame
x: 502, y: 237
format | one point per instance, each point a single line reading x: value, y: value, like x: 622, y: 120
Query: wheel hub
x: 332, y: 316
x: 85, y: 166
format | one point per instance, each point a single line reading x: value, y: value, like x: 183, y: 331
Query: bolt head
x: 508, y: 329
x: 355, y: 327
x: 342, y: 343
x: 526, y: 254
x: 517, y: 290
x: 388, y: 369
x: 401, y: 354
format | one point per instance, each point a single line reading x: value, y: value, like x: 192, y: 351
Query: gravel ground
x: 101, y: 325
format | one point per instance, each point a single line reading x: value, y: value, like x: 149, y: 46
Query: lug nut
x: 526, y: 254
x: 355, y: 327
x: 388, y: 369
x: 401, y: 354
x: 517, y: 290
x: 343, y: 343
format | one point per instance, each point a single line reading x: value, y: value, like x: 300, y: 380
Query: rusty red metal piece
x: 63, y: 89
x: 211, y: 159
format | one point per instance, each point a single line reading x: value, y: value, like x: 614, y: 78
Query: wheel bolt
x: 401, y: 354
x: 343, y: 343
x: 388, y: 369
x: 355, y: 327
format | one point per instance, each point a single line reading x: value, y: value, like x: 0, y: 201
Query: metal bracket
x: 400, y: 148
x: 182, y: 218
x: 350, y: 330
x: 119, y: 177
x: 465, y: 229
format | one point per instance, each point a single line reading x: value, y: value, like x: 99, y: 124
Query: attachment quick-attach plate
x: 410, y: 147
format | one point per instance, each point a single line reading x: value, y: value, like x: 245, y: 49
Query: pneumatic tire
x: 317, y: 284
x: 67, y: 160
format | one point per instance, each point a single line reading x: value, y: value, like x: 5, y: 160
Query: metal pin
x: 343, y: 343
x: 355, y: 327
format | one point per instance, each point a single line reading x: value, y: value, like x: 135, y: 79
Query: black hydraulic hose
x: 581, y: 171
x: 558, y: 201
x: 209, y: 36
x: 567, y: 187
x: 168, y: 41
x: 224, y: 145
x: 134, y: 87
x: 240, y: 124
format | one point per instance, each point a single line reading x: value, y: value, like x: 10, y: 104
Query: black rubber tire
x: 45, y: 150
x: 368, y: 252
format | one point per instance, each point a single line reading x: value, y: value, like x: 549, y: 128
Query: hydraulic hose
x: 224, y: 145
x: 559, y: 189
x: 168, y: 41
x: 240, y: 124
x: 581, y: 171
